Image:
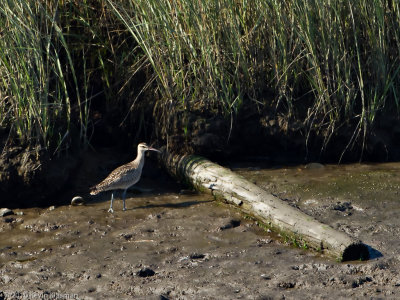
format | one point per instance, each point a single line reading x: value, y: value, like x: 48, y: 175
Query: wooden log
x: 303, y: 230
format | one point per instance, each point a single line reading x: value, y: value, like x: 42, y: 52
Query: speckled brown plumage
x: 124, y: 176
x: 121, y: 178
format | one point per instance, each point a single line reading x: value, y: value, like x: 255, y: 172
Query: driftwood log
x: 290, y: 222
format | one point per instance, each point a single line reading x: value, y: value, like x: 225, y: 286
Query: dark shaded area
x: 145, y: 272
x: 172, y: 205
x: 196, y: 256
x: 356, y: 252
x: 232, y: 224
x: 274, y: 137
x: 29, y: 177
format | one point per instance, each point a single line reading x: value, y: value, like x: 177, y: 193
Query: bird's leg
x: 112, y: 200
x: 123, y: 199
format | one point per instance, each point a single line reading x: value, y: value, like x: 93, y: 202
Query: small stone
x: 77, y: 200
x: 51, y: 208
x: 342, y: 206
x: 5, y: 212
x: 19, y: 213
x: 314, y: 166
x: 98, y: 275
x: 286, y: 285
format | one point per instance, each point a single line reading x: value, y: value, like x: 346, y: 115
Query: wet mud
x: 175, y: 244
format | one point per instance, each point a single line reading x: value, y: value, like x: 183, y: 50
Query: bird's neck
x: 139, y: 160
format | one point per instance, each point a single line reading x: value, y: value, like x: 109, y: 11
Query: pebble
x: 5, y: 212
x: 265, y: 276
x: 51, y: 208
x: 342, y: 206
x: 314, y: 166
x: 77, y: 200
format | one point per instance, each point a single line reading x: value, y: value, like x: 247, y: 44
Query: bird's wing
x: 114, y: 177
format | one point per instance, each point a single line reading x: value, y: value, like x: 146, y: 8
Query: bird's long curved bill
x: 153, y: 149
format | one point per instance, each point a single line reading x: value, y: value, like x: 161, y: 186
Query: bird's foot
x: 110, y: 210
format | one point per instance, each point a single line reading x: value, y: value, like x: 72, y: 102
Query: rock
x: 342, y: 206
x: 286, y: 285
x: 314, y: 166
x: 5, y: 212
x: 77, y: 200
x: 51, y: 208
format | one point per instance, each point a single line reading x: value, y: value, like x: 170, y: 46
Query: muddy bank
x: 29, y: 177
x: 186, y: 246
x: 271, y: 134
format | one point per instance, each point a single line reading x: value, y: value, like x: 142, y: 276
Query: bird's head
x: 143, y: 147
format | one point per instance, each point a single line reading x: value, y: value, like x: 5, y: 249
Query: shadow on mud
x: 173, y: 205
x: 373, y: 253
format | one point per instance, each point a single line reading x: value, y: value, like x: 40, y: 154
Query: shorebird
x: 124, y: 176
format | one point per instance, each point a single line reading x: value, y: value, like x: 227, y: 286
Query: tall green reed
x: 328, y: 64
x: 49, y: 51
x: 33, y: 88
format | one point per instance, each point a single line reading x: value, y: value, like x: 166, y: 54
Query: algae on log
x: 207, y: 176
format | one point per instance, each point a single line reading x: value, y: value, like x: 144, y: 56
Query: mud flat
x: 186, y: 246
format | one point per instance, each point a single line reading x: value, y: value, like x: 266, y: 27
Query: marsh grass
x: 329, y: 65
x: 325, y: 63
x: 50, y: 54
x: 34, y: 95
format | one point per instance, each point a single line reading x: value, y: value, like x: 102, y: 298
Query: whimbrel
x: 124, y: 176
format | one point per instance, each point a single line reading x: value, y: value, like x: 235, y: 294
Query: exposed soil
x: 171, y: 245
x: 29, y: 178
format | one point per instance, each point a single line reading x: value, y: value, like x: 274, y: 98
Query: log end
x: 356, y: 251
